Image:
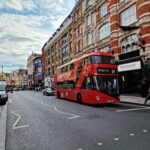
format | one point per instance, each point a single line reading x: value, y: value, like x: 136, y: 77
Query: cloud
x: 26, y: 25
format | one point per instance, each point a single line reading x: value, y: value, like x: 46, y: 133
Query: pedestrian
x: 148, y: 96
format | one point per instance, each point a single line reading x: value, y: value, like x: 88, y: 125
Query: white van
x: 3, y: 93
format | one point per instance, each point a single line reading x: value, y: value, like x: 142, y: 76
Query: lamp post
x: 2, y: 72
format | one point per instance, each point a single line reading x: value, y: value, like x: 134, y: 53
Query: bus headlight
x: 3, y: 95
x: 97, y: 98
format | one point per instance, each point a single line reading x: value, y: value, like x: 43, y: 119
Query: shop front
x: 132, y: 77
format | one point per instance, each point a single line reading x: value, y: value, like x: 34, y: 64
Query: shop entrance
x: 130, y: 82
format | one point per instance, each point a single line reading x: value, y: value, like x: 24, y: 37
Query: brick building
x: 120, y: 27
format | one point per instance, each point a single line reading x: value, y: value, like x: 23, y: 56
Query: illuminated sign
x: 129, y: 66
x: 106, y: 70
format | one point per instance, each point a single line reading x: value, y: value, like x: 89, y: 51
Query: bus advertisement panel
x: 91, y: 79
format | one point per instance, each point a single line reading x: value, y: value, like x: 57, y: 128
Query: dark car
x: 48, y: 92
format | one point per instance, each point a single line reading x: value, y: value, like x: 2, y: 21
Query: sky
x: 25, y: 26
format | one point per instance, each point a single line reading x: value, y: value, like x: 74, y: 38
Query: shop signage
x: 129, y: 66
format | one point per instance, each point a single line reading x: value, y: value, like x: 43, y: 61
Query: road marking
x: 99, y: 144
x: 132, y: 134
x: 61, y: 112
x: 134, y: 105
x: 116, y: 139
x: 10, y: 101
x: 134, y: 109
x: 145, y: 131
x: 72, y: 116
x: 14, y: 126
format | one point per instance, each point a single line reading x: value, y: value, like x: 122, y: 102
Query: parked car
x: 3, y: 92
x: 48, y: 92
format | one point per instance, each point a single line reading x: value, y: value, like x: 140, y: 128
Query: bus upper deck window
x: 87, y: 61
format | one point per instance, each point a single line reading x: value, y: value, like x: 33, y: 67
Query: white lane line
x: 134, y: 109
x: 10, y: 101
x: 110, y: 108
x: 14, y: 126
x: 134, y: 105
x: 80, y: 149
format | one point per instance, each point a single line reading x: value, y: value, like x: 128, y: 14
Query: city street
x: 37, y: 122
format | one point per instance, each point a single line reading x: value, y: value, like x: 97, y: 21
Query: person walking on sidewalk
x: 148, y: 96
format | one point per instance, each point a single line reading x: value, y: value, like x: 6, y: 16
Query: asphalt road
x: 37, y: 122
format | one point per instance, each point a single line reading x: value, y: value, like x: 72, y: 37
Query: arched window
x: 104, y: 31
x: 123, y: 49
x: 128, y: 48
x: 134, y: 46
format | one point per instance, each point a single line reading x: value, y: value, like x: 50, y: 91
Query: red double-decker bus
x: 91, y: 79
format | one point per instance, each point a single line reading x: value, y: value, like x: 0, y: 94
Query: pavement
x: 3, y: 122
x: 3, y: 114
x: 133, y: 99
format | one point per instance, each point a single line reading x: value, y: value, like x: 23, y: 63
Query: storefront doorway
x: 130, y: 82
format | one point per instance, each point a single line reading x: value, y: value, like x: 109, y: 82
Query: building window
x: 88, y: 20
x: 52, y: 55
x: 93, y: 37
x: 128, y: 17
x: 81, y: 42
x: 65, y: 51
x: 76, y: 47
x: 64, y: 39
x: 79, y: 29
x: 49, y: 72
x: 93, y: 18
x: 129, y: 43
x: 106, y: 49
x: 89, y: 2
x: 103, y: 10
x: 71, y: 48
x: 104, y: 31
x: 89, y: 38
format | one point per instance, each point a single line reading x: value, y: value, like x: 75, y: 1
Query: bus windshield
x: 2, y: 88
x: 108, y: 85
x: 103, y: 60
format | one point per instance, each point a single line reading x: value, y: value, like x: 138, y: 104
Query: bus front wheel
x: 79, y: 98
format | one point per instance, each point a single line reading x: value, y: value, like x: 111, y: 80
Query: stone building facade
x: 119, y: 27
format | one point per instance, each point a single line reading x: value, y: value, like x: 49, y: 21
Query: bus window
x: 87, y: 83
x: 87, y: 61
x: 103, y: 60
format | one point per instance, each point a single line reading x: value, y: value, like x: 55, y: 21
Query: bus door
x: 86, y: 91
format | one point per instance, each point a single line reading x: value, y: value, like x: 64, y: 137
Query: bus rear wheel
x: 79, y: 98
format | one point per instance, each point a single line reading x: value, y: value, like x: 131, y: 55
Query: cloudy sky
x: 25, y: 25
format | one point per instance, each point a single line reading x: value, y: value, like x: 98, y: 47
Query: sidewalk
x: 3, y: 121
x: 133, y: 99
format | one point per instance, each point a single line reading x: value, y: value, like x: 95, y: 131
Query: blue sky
x: 25, y: 25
